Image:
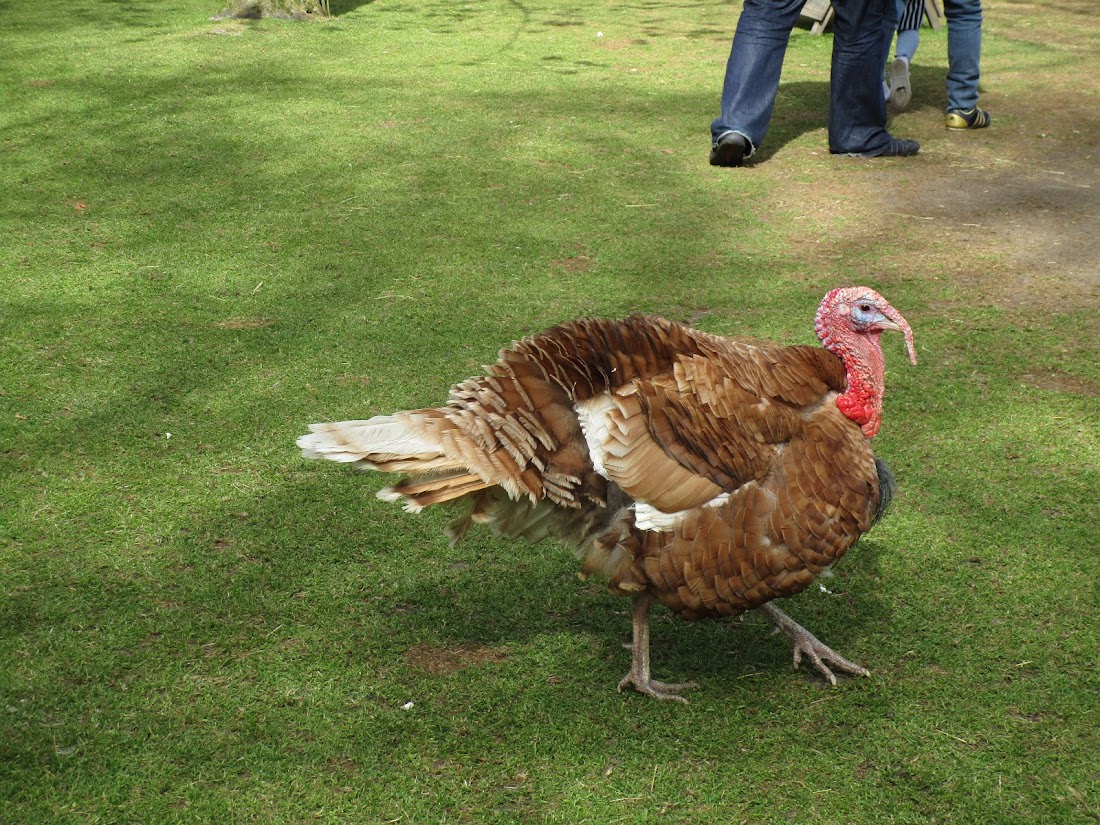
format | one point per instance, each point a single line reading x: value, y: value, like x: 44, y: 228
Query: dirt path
x: 1011, y: 212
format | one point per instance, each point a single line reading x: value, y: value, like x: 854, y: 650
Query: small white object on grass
x: 407, y: 706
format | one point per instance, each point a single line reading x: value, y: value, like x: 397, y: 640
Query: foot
x: 897, y: 148
x: 652, y: 687
x: 900, y: 92
x: 971, y: 119
x: 730, y: 149
x: 808, y: 645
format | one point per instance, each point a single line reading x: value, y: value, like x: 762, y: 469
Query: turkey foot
x: 806, y: 643
x: 638, y: 677
x: 655, y: 688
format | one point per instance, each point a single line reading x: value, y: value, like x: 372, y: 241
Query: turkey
x: 707, y: 473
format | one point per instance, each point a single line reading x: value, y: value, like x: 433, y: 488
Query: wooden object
x: 933, y: 13
x: 821, y: 13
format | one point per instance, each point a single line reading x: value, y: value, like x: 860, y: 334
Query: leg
x: 806, y: 642
x: 895, y: 11
x: 890, y: 25
x: 908, y: 41
x: 901, y: 92
x: 857, y: 108
x: 753, y: 69
x: 638, y: 678
x: 909, y: 29
x: 964, y: 50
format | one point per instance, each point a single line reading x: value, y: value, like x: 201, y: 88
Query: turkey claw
x: 818, y: 653
x: 655, y: 688
x: 805, y: 643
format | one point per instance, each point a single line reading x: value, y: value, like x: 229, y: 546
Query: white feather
x: 383, y: 435
x: 648, y: 517
x: 718, y: 500
x: 595, y: 418
x: 390, y: 494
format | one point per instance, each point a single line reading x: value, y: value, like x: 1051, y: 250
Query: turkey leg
x: 638, y: 677
x: 806, y: 643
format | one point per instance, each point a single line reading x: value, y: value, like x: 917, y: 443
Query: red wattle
x: 862, y: 405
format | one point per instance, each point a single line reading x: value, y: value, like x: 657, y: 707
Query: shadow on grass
x: 338, y: 7
x: 90, y: 14
x: 803, y: 106
x: 489, y: 593
x: 356, y: 585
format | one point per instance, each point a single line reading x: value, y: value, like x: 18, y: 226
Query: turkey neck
x: 866, y: 370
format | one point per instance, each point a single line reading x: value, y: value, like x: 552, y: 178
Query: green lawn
x: 213, y: 233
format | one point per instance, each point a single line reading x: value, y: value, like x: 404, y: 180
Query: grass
x: 214, y: 233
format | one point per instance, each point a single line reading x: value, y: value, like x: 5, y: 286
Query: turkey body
x: 710, y: 474
x: 713, y: 474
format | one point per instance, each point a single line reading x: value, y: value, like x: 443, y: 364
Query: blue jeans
x: 964, y: 52
x: 964, y: 48
x: 857, y: 110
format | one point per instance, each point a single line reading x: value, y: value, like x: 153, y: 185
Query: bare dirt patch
x: 1059, y: 382
x: 438, y: 660
x: 577, y: 263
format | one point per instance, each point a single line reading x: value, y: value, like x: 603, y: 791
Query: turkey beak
x: 892, y: 320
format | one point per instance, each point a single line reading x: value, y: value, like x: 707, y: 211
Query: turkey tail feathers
x: 375, y: 443
x: 419, y: 492
x: 391, y: 443
x: 886, y: 487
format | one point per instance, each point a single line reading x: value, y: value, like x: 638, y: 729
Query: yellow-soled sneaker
x: 972, y: 119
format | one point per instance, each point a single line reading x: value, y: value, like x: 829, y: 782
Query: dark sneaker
x: 900, y: 148
x: 896, y: 148
x: 974, y: 119
x: 730, y: 149
x: 900, y: 91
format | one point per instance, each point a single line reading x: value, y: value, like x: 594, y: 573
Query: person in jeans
x: 964, y: 51
x: 857, y: 108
